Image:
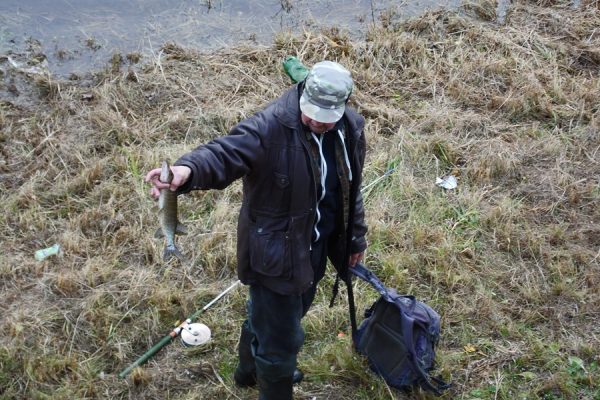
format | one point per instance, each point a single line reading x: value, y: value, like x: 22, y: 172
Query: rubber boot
x: 280, y: 389
x: 245, y: 373
x: 243, y: 379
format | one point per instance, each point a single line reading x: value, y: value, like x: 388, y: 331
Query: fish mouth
x: 166, y: 175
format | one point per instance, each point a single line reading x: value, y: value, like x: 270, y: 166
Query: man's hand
x: 181, y: 174
x: 356, y: 258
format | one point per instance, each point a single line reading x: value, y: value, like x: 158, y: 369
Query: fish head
x: 166, y: 175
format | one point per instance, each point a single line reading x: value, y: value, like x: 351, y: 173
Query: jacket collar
x: 287, y: 108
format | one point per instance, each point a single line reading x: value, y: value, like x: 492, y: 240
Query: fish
x: 169, y: 221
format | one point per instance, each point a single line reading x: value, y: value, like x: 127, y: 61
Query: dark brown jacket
x: 270, y: 151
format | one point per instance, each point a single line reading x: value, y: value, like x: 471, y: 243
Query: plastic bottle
x: 295, y: 69
x: 47, y: 252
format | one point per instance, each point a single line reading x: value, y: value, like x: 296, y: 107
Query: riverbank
x: 510, y: 258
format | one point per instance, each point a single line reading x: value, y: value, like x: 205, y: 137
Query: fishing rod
x: 194, y: 334
x: 376, y: 181
x: 366, y: 190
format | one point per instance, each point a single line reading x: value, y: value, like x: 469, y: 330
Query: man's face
x: 316, y: 126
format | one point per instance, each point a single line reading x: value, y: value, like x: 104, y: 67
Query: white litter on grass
x: 447, y: 182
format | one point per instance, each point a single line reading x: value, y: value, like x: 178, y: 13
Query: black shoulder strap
x: 358, y: 270
x: 351, y: 306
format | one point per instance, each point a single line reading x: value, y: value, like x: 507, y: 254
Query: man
x: 301, y: 160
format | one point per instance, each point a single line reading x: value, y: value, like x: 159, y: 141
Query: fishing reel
x: 195, y: 334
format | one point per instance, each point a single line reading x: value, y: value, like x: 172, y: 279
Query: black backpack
x: 398, y: 336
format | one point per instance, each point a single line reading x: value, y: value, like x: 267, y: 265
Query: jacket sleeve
x: 218, y: 163
x: 359, y: 227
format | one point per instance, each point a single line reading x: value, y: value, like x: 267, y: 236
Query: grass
x: 510, y: 258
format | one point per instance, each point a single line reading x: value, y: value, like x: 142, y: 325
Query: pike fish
x: 169, y: 222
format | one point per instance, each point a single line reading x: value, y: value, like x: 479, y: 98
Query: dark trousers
x: 274, y: 324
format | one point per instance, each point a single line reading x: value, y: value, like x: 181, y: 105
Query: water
x: 501, y: 11
x: 79, y: 35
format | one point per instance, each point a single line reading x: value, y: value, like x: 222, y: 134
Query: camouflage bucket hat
x: 326, y: 90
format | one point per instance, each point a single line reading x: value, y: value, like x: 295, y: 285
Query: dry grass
x: 511, y: 259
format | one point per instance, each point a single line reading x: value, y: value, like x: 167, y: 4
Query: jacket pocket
x: 270, y: 252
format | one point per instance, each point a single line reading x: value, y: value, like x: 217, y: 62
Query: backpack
x: 398, y: 336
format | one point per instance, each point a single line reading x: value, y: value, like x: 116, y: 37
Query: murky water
x: 79, y: 35
x: 501, y: 10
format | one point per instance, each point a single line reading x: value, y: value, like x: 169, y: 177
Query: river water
x: 77, y: 36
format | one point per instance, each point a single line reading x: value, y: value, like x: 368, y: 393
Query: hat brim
x: 323, y: 115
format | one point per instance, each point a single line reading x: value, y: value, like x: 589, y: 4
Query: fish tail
x: 172, y: 251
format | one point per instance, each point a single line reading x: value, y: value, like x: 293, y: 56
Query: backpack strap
x: 334, y: 291
x: 389, y: 295
x: 366, y: 275
x: 351, y: 306
x: 434, y: 385
x: 362, y: 272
